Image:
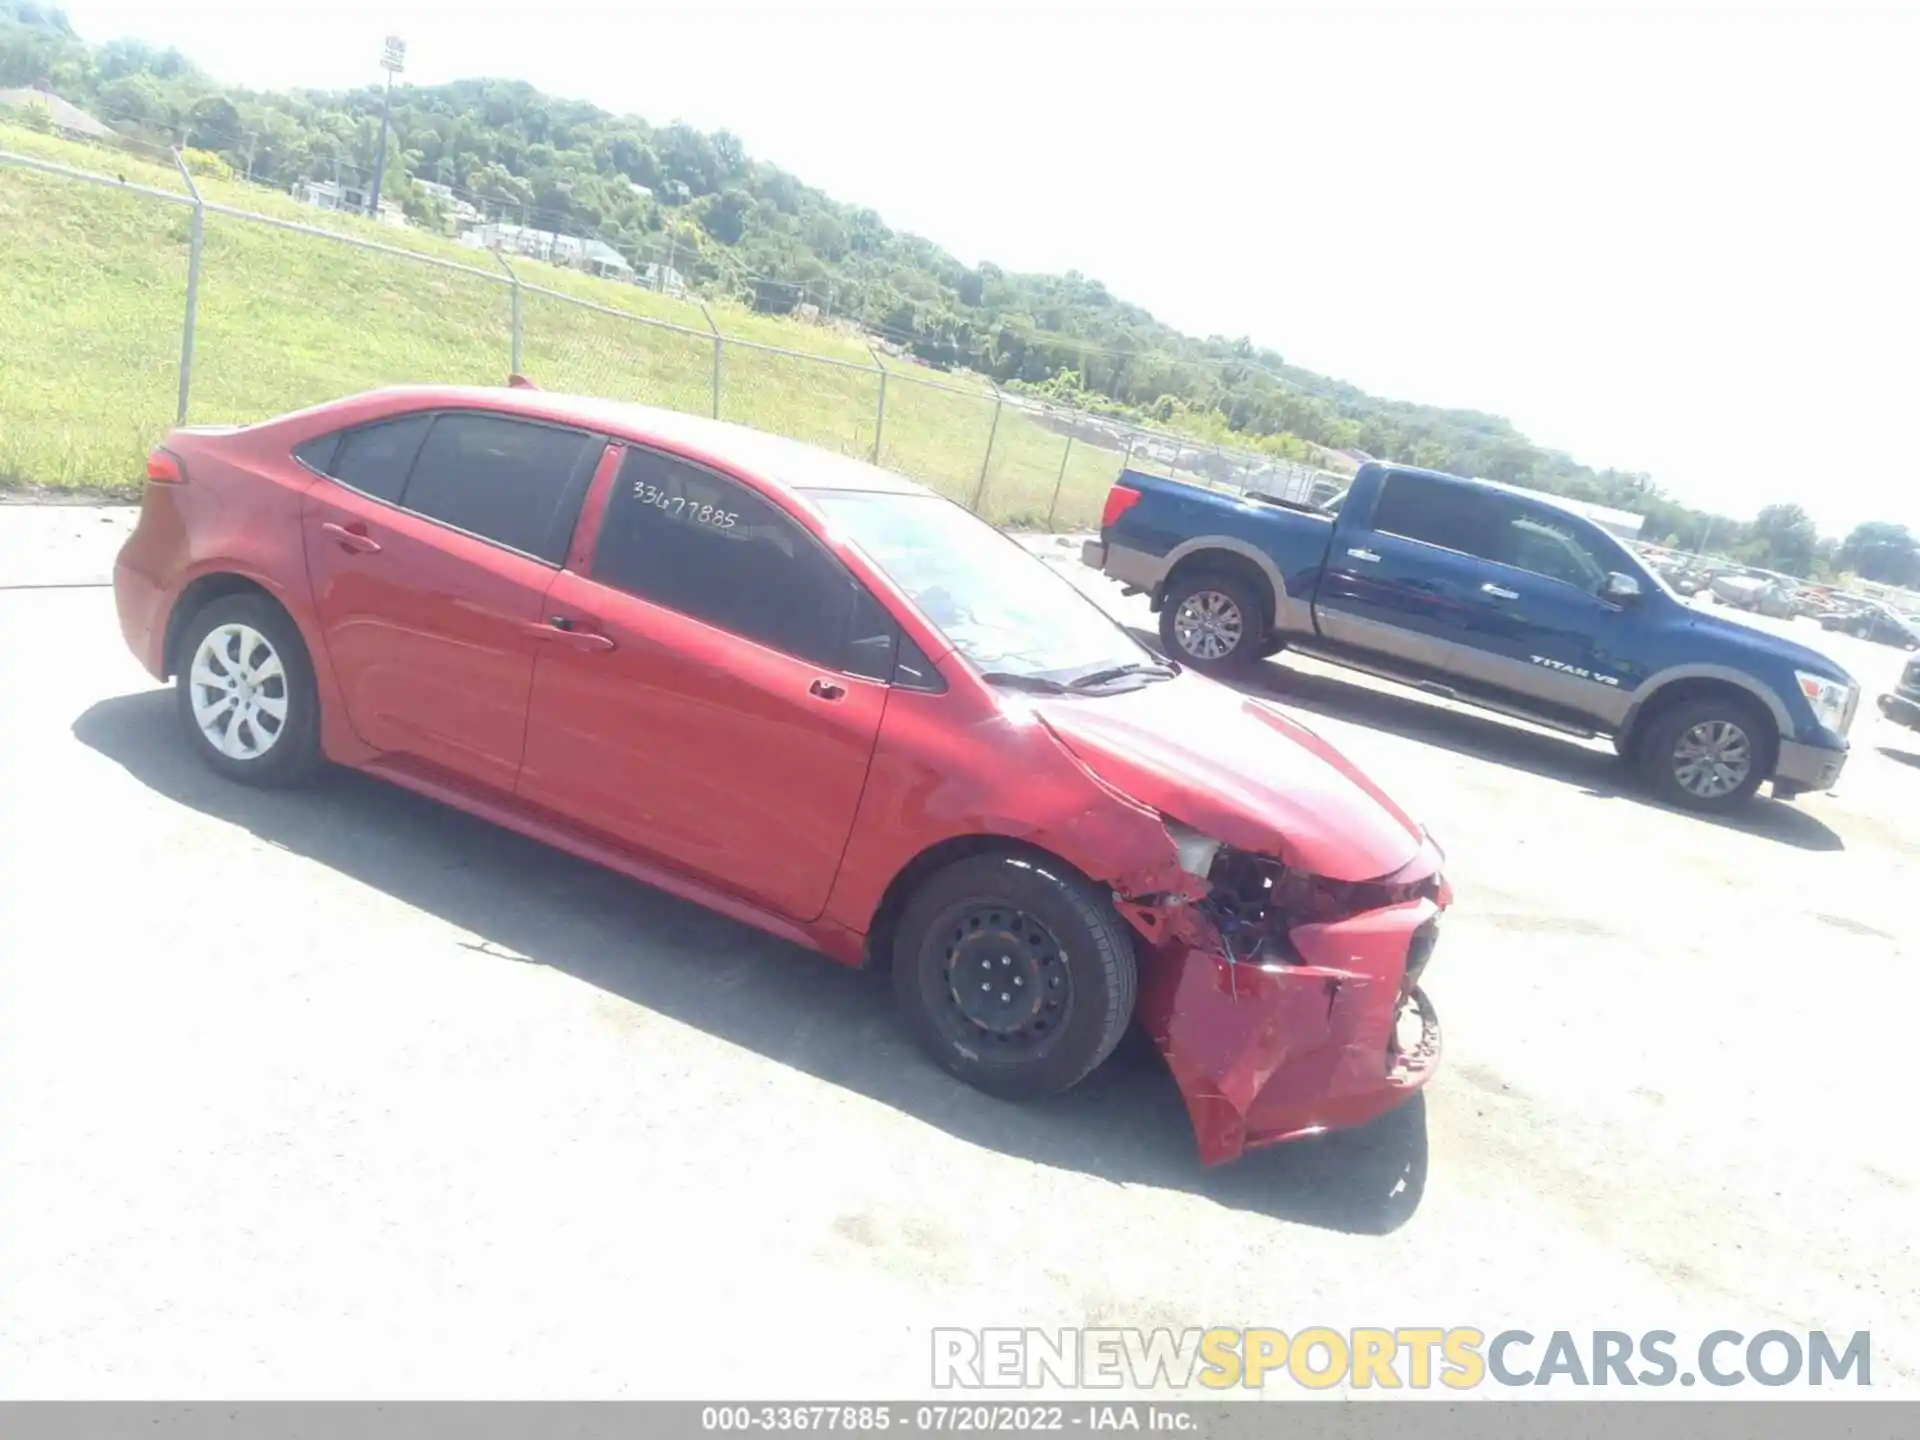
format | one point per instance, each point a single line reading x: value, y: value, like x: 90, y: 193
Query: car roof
x: 794, y: 464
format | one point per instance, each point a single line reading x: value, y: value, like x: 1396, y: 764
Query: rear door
x: 719, y: 708
x: 1400, y: 582
x: 431, y: 543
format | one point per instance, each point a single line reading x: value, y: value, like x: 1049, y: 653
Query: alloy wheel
x: 238, y: 687
x: 1208, y: 625
x: 1712, y: 759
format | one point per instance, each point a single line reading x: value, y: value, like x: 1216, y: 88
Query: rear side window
x: 318, y: 454
x: 698, y: 543
x: 375, y: 459
x: 515, y: 483
x: 1453, y: 517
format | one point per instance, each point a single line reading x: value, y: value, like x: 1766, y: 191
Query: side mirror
x: 1621, y: 589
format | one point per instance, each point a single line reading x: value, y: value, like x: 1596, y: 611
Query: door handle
x: 1366, y: 555
x: 826, y: 690
x: 561, y: 628
x: 356, y: 541
x: 1494, y: 590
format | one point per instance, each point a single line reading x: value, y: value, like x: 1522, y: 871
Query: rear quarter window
x: 376, y: 459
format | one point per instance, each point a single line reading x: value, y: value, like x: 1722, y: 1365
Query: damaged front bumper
x: 1267, y: 1050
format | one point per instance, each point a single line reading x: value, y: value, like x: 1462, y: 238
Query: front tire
x: 245, y: 693
x: 1707, y: 755
x: 1014, y: 975
x: 1213, y: 622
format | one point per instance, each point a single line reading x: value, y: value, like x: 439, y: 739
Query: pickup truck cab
x: 1490, y: 596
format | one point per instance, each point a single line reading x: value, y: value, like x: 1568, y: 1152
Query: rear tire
x: 245, y: 693
x: 1707, y: 755
x: 1013, y: 974
x: 1213, y: 622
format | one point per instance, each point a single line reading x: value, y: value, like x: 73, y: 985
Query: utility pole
x: 393, y: 59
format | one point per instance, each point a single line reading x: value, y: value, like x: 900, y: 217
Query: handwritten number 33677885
x: 682, y: 508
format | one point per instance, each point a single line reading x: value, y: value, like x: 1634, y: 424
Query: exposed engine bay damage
x: 1284, y: 1003
x: 1285, y: 1000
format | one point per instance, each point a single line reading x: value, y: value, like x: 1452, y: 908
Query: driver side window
x: 1544, y: 542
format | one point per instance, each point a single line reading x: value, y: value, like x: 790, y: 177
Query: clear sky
x: 1677, y: 237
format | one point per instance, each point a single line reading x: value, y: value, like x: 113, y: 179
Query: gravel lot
x: 342, y: 1094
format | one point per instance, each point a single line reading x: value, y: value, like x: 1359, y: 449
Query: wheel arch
x: 1223, y: 555
x: 201, y: 592
x: 219, y: 580
x: 937, y: 857
x: 1706, y: 683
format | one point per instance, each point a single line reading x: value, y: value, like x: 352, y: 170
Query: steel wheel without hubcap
x: 1712, y: 759
x: 238, y: 690
x: 1007, y: 988
x: 1209, y: 625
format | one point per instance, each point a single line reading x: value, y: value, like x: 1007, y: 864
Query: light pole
x: 393, y: 59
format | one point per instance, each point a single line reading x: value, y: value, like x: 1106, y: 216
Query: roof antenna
x: 517, y: 381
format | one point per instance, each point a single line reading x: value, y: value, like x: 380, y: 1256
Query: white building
x: 593, y: 256
x: 347, y: 199
x: 663, y: 278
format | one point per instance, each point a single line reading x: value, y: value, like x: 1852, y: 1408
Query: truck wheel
x: 1707, y: 755
x: 1014, y: 977
x: 1214, y: 623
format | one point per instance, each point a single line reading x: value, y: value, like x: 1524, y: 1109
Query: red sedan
x: 818, y: 698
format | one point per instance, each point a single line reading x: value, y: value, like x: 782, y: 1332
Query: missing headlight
x: 1196, y: 851
x: 1255, y: 902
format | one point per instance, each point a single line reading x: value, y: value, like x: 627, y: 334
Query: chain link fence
x: 242, y: 315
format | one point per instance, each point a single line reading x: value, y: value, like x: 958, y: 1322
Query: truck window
x: 1433, y: 512
x: 1549, y: 545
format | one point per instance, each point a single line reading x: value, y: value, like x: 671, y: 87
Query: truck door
x: 1539, y: 627
x: 1400, y: 577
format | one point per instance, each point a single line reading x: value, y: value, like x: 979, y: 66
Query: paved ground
x: 340, y: 1093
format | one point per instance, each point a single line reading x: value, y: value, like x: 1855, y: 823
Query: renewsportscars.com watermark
x: 1410, y: 1358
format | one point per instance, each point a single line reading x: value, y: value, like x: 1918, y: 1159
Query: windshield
x: 1004, y: 610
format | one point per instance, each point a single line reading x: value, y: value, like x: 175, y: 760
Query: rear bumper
x: 1809, y: 767
x: 1093, y: 554
x: 140, y: 601
x: 1265, y: 1053
x: 1900, y: 710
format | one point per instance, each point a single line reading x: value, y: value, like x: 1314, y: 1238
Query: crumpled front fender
x: 1269, y: 1052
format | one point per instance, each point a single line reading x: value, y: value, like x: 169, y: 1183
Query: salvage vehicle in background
x: 1474, y: 592
x: 1762, y: 594
x: 1901, y: 705
x: 815, y: 697
x: 1870, y: 620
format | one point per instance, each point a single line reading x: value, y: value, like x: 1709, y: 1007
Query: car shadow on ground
x: 1905, y: 757
x: 1596, y: 773
x: 532, y: 904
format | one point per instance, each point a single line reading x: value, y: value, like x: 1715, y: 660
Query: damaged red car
x: 814, y: 696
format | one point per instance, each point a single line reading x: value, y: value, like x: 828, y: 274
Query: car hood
x: 1238, y: 770
x: 1801, y: 657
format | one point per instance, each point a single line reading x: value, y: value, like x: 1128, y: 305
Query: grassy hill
x: 93, y: 284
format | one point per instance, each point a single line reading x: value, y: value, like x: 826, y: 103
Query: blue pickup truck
x: 1494, y: 597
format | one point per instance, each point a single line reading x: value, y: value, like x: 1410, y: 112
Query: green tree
x: 1785, y: 538
x: 1881, y: 551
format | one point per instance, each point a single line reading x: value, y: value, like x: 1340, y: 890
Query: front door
x: 705, y: 715
x: 1540, y: 629
x: 430, y: 548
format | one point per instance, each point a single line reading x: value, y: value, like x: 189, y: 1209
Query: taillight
x: 165, y: 469
x: 1120, y: 499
